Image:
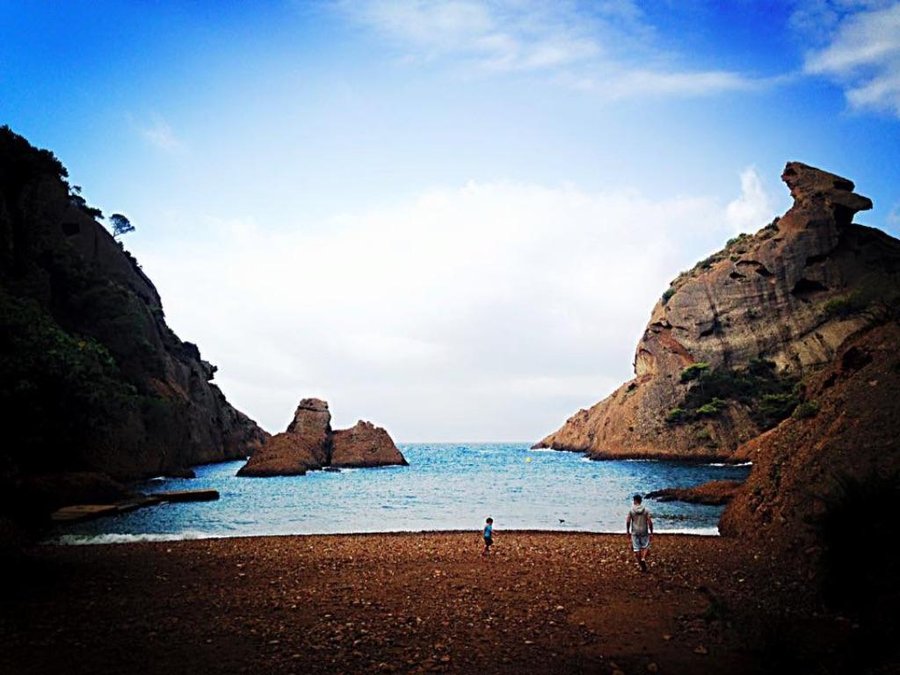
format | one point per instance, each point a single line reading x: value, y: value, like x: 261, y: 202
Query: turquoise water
x: 446, y: 487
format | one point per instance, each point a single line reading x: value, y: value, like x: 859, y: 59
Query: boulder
x: 364, y: 445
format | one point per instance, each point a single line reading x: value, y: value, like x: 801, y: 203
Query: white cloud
x: 659, y: 83
x: 160, y: 135
x: 495, y: 36
x: 491, y: 310
x: 863, y: 55
x: 753, y: 208
x: 587, y: 46
x: 817, y: 20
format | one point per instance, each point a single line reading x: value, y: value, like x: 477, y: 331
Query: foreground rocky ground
x: 544, y: 603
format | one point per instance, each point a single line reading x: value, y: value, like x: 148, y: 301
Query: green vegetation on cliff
x: 769, y: 396
x: 49, y: 374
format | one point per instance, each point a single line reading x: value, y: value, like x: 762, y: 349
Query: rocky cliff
x: 825, y: 479
x: 91, y: 377
x: 730, y: 342
x: 846, y: 435
x: 309, y: 444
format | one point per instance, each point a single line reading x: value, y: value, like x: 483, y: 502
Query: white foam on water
x: 701, y: 531
x: 111, y: 538
x: 730, y: 464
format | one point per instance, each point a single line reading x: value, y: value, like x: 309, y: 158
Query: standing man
x: 639, y: 525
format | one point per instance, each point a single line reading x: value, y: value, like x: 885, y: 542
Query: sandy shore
x: 543, y: 603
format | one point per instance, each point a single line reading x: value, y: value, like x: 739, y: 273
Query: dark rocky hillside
x: 91, y: 377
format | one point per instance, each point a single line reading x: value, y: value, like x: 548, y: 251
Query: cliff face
x: 310, y: 444
x: 91, y: 377
x: 728, y: 343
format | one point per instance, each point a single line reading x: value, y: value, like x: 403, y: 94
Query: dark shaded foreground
x: 543, y: 603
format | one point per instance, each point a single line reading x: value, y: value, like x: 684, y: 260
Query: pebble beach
x: 543, y: 602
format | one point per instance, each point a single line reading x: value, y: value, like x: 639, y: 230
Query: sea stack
x: 364, y: 445
x: 309, y: 444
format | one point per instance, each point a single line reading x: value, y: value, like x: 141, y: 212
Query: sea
x: 446, y: 487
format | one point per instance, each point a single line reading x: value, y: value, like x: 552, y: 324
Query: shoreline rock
x: 75, y: 513
x: 712, y: 493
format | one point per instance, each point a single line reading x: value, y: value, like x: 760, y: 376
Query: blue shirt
x: 488, y: 531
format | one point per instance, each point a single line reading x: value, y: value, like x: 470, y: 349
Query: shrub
x: 806, y: 410
x: 677, y: 416
x: 772, y: 408
x: 734, y: 240
x: 693, y: 371
x: 76, y: 200
x: 711, y: 409
x: 769, y: 396
x: 667, y: 294
x: 708, y: 262
x: 843, y: 307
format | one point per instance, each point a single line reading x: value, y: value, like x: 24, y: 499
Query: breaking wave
x: 87, y: 539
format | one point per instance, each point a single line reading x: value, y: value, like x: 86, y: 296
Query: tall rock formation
x: 310, y: 444
x: 728, y: 343
x: 91, y: 377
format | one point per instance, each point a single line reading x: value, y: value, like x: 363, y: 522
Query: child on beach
x: 639, y: 525
x: 488, y: 536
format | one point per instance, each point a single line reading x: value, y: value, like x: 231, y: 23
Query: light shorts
x: 640, y: 541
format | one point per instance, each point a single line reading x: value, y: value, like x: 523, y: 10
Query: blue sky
x: 450, y: 218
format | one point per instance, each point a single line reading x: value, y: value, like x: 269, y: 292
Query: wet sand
x: 541, y: 603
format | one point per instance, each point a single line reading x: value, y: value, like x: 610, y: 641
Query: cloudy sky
x: 451, y: 218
